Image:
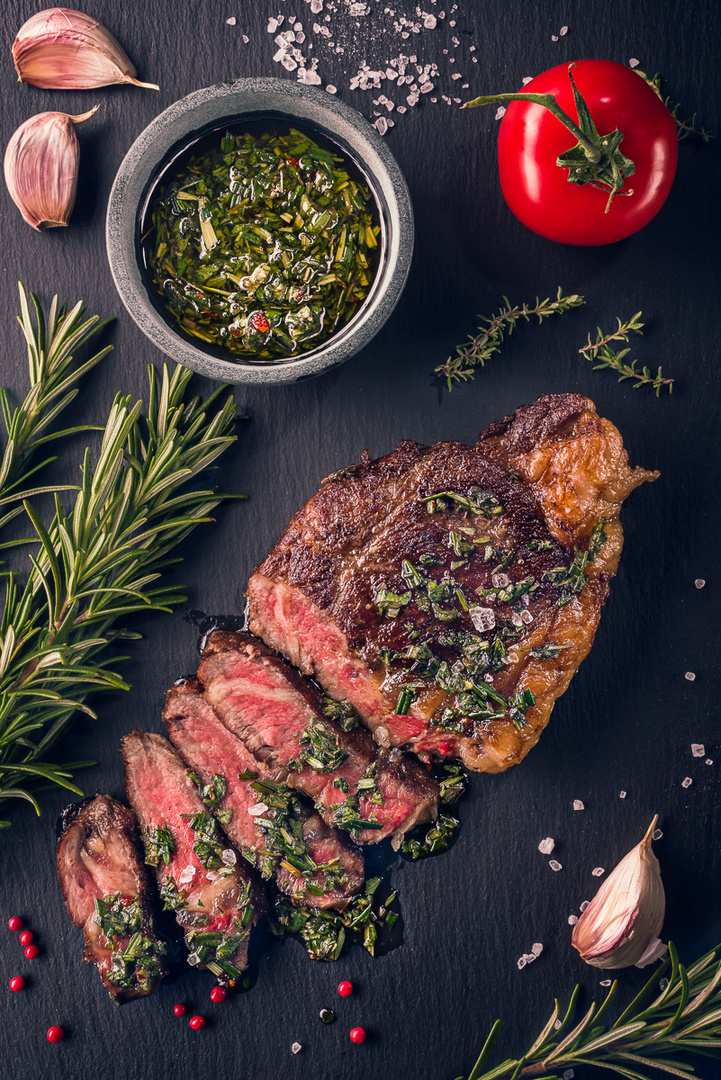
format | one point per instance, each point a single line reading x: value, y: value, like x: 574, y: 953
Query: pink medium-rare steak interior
x: 211, y: 751
x: 200, y: 875
x: 99, y: 859
x: 449, y: 593
x: 279, y: 716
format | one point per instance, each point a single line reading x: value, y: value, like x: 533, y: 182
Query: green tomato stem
x: 547, y: 101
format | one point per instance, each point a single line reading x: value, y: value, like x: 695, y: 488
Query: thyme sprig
x: 600, y: 351
x: 684, y: 128
x: 489, y: 339
x: 97, y: 563
x: 654, y: 1032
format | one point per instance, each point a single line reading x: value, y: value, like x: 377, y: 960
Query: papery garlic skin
x: 41, y: 168
x: 64, y: 49
x: 622, y: 923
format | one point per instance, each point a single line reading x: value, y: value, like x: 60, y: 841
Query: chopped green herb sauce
x: 325, y: 933
x: 263, y: 244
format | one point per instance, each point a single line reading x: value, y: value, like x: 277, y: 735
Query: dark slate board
x: 629, y: 718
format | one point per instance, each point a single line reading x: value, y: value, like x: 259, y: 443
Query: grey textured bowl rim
x: 315, y: 108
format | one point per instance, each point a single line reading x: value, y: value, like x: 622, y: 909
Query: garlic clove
x: 64, y: 49
x: 41, y: 168
x: 621, y: 925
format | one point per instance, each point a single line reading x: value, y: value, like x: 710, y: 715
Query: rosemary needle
x: 665, y: 1023
x: 99, y: 561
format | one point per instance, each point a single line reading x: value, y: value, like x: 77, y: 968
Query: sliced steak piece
x: 279, y: 716
x: 108, y: 895
x: 201, y: 878
x: 267, y: 822
x: 458, y: 586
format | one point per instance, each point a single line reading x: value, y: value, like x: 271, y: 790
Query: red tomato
x: 531, y: 138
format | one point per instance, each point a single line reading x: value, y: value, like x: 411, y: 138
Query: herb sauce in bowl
x: 262, y: 243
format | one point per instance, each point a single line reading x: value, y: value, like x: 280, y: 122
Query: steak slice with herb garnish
x: 266, y: 821
x: 201, y: 878
x: 279, y: 716
x: 107, y: 893
x: 449, y: 593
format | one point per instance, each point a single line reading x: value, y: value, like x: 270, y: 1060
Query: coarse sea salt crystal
x: 187, y: 875
x: 527, y: 79
x: 537, y: 948
x: 316, y: 6
x: 546, y: 846
x: 687, y: 782
x: 500, y: 111
x: 598, y: 871
x: 521, y: 962
x: 690, y: 675
x: 212, y: 875
x: 605, y: 982
x: 296, y: 1048
x: 554, y: 37
x: 330, y: 89
x: 231, y: 21
x: 258, y: 809
x: 555, y: 865
x: 634, y: 62
x: 381, y: 125
x: 699, y: 583
x: 228, y: 857
x: 563, y: 31
x: 572, y: 920
x: 657, y: 834
x: 709, y: 761
x: 499, y: 581
x: 569, y: 1074
x: 430, y: 22
x: 584, y: 905
x: 698, y: 749
x: 272, y: 26
x: 578, y: 805
x: 622, y: 794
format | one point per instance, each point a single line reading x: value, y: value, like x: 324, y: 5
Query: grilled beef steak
x: 279, y: 716
x: 107, y: 894
x: 449, y: 593
x: 265, y: 820
x: 200, y: 876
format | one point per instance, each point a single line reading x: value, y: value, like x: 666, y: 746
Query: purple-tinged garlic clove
x: 41, y: 168
x: 621, y: 925
x: 64, y: 49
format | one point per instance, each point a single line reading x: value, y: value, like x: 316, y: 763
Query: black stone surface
x: 630, y: 716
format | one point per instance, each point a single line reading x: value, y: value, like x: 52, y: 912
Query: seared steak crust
x: 272, y: 710
x: 100, y: 867
x: 200, y: 876
x: 212, y: 751
x: 449, y: 593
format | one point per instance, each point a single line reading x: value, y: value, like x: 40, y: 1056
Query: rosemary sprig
x: 600, y: 350
x: 487, y: 342
x: 97, y: 564
x: 684, y: 128
x: 52, y: 344
x: 654, y: 1032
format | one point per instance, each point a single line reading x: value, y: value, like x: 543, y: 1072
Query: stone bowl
x: 249, y: 100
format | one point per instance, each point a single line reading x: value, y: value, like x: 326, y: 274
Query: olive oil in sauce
x: 263, y: 244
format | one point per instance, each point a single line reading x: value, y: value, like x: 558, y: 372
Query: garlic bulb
x: 621, y: 925
x: 41, y: 168
x: 64, y: 49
